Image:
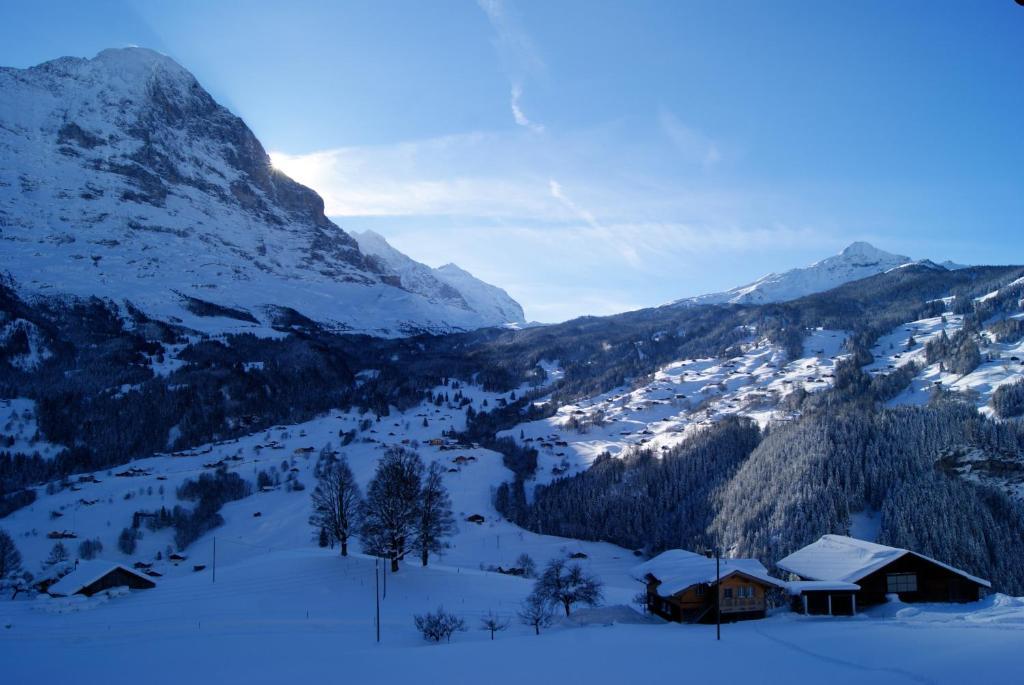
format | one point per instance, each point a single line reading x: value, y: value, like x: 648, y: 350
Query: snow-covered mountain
x: 120, y: 177
x: 858, y: 260
x: 448, y: 283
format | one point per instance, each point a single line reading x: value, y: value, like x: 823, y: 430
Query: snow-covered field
x: 299, y: 615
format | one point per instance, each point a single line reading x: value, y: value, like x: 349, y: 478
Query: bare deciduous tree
x: 566, y: 585
x: 494, y: 623
x: 435, y: 514
x: 391, y: 509
x: 439, y: 625
x: 336, y: 503
x: 536, y: 612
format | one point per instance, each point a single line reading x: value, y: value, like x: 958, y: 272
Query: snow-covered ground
x: 284, y: 610
x: 300, y: 615
x: 1001, y: 362
x: 679, y: 398
x: 19, y: 431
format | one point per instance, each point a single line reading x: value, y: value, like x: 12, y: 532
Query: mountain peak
x: 864, y: 250
x: 857, y: 260
x: 142, y: 187
x: 136, y: 57
x: 448, y: 283
x: 453, y: 268
x: 859, y: 248
x: 129, y: 68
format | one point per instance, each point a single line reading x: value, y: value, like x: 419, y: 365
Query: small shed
x: 684, y: 586
x: 880, y: 571
x: 90, y: 577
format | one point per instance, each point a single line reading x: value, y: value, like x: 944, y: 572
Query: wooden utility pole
x: 718, y: 594
x: 376, y: 578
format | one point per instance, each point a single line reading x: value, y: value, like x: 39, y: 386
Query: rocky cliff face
x: 121, y: 177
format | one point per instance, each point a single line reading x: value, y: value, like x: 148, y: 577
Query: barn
x: 90, y: 577
x: 877, y: 571
x: 681, y: 587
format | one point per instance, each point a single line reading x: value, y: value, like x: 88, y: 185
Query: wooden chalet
x: 90, y: 577
x: 838, y: 574
x: 683, y: 586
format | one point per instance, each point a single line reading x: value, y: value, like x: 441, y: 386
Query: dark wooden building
x: 90, y: 577
x: 683, y: 587
x: 879, y: 571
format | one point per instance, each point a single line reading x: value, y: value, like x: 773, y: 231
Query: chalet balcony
x: 741, y: 604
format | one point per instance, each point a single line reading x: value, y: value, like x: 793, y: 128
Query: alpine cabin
x: 683, y: 586
x: 90, y: 577
x: 840, y: 573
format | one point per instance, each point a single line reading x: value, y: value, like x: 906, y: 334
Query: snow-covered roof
x: 842, y: 558
x: 797, y: 587
x: 678, y: 569
x: 86, y: 573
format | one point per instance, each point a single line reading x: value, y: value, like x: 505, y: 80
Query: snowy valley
x: 192, y: 353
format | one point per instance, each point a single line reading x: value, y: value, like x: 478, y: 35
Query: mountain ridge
x: 122, y: 178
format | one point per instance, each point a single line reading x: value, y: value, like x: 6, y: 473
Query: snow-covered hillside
x: 681, y: 397
x: 858, y: 260
x: 121, y: 177
x: 448, y: 283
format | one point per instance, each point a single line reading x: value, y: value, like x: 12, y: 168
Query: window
x: 902, y: 582
x: 745, y: 592
x: 727, y: 593
x: 700, y: 590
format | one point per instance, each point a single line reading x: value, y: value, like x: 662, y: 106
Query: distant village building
x: 90, y: 577
x: 839, y: 574
x: 682, y: 586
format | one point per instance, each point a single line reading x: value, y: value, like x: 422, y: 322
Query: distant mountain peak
x: 449, y: 283
x: 864, y: 250
x: 857, y: 260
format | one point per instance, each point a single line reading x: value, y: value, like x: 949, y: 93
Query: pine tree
x: 336, y: 503
x: 435, y: 514
x: 10, y: 558
x: 58, y: 555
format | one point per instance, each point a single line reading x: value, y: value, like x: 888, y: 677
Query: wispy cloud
x: 624, y: 248
x: 566, y: 224
x: 691, y: 143
x: 517, y: 111
x: 518, y: 55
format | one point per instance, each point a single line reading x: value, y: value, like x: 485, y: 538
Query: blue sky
x: 597, y: 156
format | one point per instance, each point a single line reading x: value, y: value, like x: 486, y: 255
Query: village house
x: 682, y: 586
x: 90, y: 577
x: 838, y: 574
